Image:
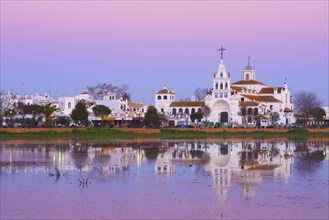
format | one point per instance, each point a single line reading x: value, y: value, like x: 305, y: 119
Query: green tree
x: 196, y: 116
x: 151, y: 117
x: 318, y: 113
x: 47, y: 110
x: 80, y: 114
x: 101, y: 111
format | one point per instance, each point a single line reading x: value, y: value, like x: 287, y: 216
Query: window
x: 69, y: 105
x: 225, y: 95
x: 186, y: 111
x: 216, y: 86
x: 165, y: 97
x: 174, y: 111
x: 162, y: 110
x: 193, y: 110
x: 226, y: 85
x: 247, y: 76
x: 159, y: 97
x: 220, y: 95
x: 180, y: 110
x: 216, y: 94
x: 221, y: 86
x: 255, y: 111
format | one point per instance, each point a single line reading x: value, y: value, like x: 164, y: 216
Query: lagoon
x: 167, y: 179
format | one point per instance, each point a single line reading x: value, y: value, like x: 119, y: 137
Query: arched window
x: 247, y: 76
x: 221, y: 86
x: 243, y: 111
x: 165, y: 97
x: 226, y: 85
x: 187, y: 111
x: 69, y: 105
x: 250, y: 111
x: 221, y: 75
x: 174, y: 111
x: 193, y: 110
x: 216, y: 86
x: 199, y: 110
x: 159, y: 97
x: 180, y: 110
x: 255, y: 111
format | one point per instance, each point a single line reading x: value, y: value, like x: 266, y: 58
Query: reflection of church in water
x: 244, y: 163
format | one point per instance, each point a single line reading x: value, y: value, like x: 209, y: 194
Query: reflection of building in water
x: 78, y: 156
x: 287, y: 161
x: 245, y: 163
x: 163, y: 164
x: 220, y: 166
x: 181, y: 152
x: 33, y: 158
x: 117, y: 159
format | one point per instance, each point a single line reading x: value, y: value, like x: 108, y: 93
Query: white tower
x: 249, y: 72
x: 163, y: 99
x: 221, y: 81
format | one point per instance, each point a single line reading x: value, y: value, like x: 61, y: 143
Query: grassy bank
x: 166, y: 133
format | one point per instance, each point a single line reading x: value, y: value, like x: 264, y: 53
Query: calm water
x: 164, y: 180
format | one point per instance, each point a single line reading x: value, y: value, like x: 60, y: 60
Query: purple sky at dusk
x: 62, y: 47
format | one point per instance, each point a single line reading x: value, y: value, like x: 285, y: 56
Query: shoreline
x: 164, y: 133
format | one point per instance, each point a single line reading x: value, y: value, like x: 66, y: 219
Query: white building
x: 163, y: 99
x: 247, y: 101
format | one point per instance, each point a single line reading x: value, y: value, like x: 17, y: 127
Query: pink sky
x: 65, y: 46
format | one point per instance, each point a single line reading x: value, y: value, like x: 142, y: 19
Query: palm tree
x: 47, y: 110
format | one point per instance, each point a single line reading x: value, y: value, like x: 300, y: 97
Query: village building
x: 246, y: 102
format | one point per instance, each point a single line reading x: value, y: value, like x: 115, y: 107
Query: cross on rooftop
x: 221, y: 52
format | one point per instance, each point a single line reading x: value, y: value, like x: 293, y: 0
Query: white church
x: 245, y: 102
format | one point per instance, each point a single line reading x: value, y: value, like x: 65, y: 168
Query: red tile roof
x: 248, y: 82
x: 165, y: 91
x: 248, y: 103
x: 237, y: 88
x: 261, y: 98
x: 186, y: 104
x: 135, y: 104
x: 270, y: 90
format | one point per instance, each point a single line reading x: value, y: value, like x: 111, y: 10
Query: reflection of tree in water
x: 309, y: 162
x: 196, y: 153
x: 102, y: 157
x: 80, y: 155
x: 151, y: 153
